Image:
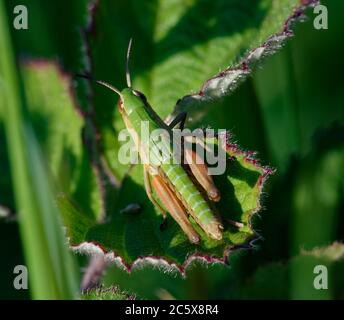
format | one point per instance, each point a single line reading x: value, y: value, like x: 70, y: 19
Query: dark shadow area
x: 53, y: 30
x: 229, y: 206
x: 11, y: 256
x: 83, y: 194
x: 131, y: 234
x: 6, y: 194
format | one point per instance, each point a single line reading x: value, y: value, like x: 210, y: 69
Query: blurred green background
x: 291, y: 111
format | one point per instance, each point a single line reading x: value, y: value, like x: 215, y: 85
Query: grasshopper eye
x: 140, y: 95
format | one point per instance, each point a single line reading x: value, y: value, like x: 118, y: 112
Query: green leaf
x: 50, y: 264
x: 49, y: 35
x: 133, y: 239
x: 59, y: 125
x: 109, y: 293
x: 37, y: 42
x: 224, y: 33
x: 185, y: 43
x: 258, y: 44
x: 178, y: 59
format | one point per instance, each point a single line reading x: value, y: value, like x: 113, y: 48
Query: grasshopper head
x: 131, y: 100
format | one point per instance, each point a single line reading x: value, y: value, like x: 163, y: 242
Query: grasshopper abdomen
x: 193, y: 200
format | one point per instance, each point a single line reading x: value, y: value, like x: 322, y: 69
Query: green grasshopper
x: 183, y: 190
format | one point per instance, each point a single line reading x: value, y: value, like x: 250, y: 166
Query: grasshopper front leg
x: 173, y: 206
x: 179, y: 119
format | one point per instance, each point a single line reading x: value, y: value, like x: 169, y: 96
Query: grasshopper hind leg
x: 197, y: 166
x: 200, y: 172
x: 148, y: 187
x: 175, y: 208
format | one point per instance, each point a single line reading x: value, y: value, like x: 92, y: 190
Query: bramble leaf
x: 59, y: 126
x: 178, y: 59
x: 102, y: 293
x: 134, y: 239
x: 185, y: 43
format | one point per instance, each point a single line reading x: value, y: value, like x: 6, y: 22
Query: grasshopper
x: 183, y: 190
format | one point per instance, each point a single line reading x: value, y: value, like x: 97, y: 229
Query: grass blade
x: 50, y: 265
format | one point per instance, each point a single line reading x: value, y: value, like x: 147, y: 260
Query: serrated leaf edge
x: 169, y: 266
x: 229, y: 79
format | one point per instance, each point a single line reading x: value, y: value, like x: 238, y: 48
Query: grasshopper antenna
x: 102, y: 83
x: 127, y: 72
